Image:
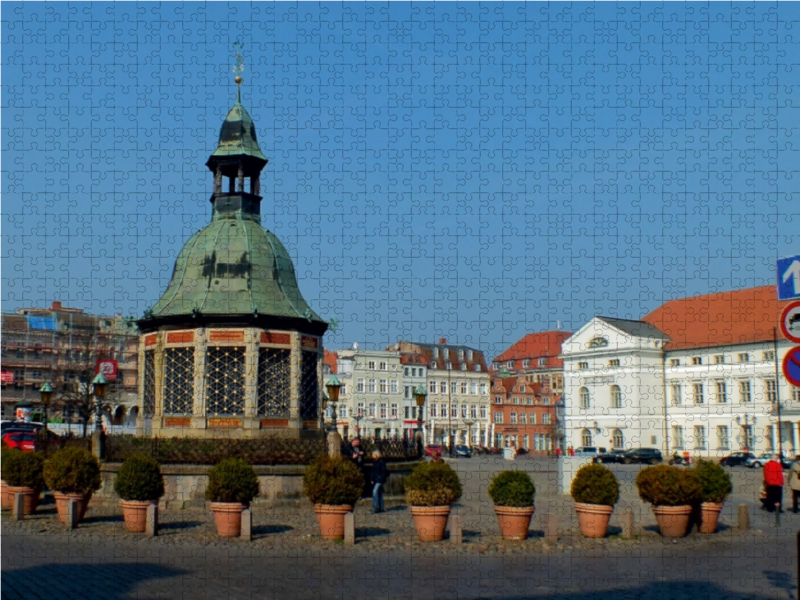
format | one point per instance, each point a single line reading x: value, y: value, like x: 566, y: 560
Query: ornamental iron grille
x: 309, y: 386
x: 225, y: 378
x: 149, y: 387
x: 274, y: 372
x: 178, y: 381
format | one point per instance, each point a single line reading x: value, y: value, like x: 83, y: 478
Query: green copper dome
x: 234, y: 266
x: 238, y: 135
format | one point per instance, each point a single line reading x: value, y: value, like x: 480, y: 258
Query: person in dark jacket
x: 355, y: 453
x: 378, y: 479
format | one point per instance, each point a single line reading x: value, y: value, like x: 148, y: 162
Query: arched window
x: 619, y: 439
x: 616, y: 397
x: 586, y: 437
x: 583, y: 394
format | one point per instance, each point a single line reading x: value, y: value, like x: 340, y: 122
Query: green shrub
x: 333, y: 480
x: 23, y: 469
x: 432, y: 484
x: 512, y: 488
x: 716, y: 483
x: 72, y: 471
x: 139, y: 478
x: 232, y: 480
x: 595, y: 484
x: 663, y: 485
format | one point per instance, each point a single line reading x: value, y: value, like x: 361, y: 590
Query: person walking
x: 794, y: 482
x: 774, y: 482
x: 378, y: 478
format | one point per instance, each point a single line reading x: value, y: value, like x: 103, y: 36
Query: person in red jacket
x: 773, y: 481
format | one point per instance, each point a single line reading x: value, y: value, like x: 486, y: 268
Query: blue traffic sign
x: 789, y: 277
x: 791, y: 366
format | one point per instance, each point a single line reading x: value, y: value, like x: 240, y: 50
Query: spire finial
x: 238, y: 69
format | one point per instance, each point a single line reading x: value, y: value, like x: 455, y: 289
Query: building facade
x: 65, y: 347
x: 698, y: 374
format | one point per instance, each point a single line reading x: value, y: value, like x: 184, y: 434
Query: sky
x: 472, y: 171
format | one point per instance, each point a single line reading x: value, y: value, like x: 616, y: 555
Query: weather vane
x: 238, y: 68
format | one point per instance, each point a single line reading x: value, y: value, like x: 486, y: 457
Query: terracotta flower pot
x: 514, y: 521
x: 331, y: 520
x: 593, y: 519
x: 61, y: 504
x: 228, y: 518
x: 6, y: 499
x: 673, y: 520
x: 135, y: 514
x: 430, y: 521
x: 31, y: 497
x: 709, y: 515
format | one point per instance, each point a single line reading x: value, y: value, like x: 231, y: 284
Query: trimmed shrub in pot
x: 430, y: 490
x: 512, y: 493
x: 73, y: 474
x: 139, y: 483
x: 595, y: 491
x: 232, y: 485
x: 717, y: 486
x: 334, y: 485
x: 672, y: 492
x: 22, y: 473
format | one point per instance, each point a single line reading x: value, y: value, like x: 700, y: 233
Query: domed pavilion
x: 232, y: 348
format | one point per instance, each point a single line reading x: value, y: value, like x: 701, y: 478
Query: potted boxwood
x: 22, y: 472
x: 512, y: 493
x: 73, y: 474
x: 5, y: 499
x: 139, y: 483
x: 232, y: 485
x: 717, y: 486
x: 334, y: 485
x: 672, y: 492
x: 430, y: 490
x: 595, y: 491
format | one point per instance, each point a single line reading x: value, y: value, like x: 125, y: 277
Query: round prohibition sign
x: 790, y: 322
x: 791, y: 366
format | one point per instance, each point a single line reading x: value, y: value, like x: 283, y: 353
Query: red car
x: 26, y: 440
x: 432, y: 449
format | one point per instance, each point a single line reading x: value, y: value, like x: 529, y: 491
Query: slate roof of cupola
x: 238, y: 135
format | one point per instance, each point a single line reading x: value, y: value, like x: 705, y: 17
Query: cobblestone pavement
x: 287, y: 556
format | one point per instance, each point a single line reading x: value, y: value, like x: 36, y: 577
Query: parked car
x: 589, y: 451
x: 737, y: 459
x: 614, y: 456
x: 463, y: 451
x: 759, y: 461
x: 646, y: 456
x: 432, y: 449
x: 26, y: 440
x: 19, y: 426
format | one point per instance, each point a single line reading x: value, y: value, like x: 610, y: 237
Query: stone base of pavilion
x: 227, y: 427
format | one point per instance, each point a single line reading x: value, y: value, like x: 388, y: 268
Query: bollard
x: 151, y: 528
x: 18, y: 508
x: 72, y: 513
x: 627, y: 523
x: 550, y: 528
x: 247, y: 525
x: 349, y: 528
x: 744, y: 518
x: 777, y: 514
x: 457, y: 529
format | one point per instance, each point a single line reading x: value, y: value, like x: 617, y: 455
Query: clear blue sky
x: 473, y: 171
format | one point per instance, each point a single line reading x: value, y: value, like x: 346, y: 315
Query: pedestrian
x: 355, y: 453
x: 794, y: 482
x: 558, y: 452
x: 378, y: 479
x: 773, y: 481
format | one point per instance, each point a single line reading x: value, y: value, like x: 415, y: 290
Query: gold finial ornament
x: 238, y: 79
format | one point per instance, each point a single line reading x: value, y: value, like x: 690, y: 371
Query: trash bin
x: 509, y: 453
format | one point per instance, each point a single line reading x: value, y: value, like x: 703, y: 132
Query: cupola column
x: 295, y: 422
x: 240, y: 177
x: 218, y: 181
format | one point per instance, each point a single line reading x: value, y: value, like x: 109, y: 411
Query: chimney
x: 442, y: 341
x: 56, y: 305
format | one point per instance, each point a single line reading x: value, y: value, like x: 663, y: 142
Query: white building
x: 697, y: 374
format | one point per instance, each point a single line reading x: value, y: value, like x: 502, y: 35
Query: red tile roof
x: 536, y: 345
x: 720, y: 319
x: 330, y: 360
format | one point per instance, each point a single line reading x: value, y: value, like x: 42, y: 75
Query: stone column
x: 240, y: 182
x: 773, y: 438
x: 140, y: 384
x: 251, y: 339
x: 295, y: 422
x: 218, y: 181
x: 158, y: 366
x: 793, y: 425
x: 198, y: 382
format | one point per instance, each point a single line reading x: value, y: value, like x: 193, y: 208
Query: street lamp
x: 99, y: 390
x: 469, y: 423
x: 419, y: 397
x: 47, y: 393
x: 334, y: 386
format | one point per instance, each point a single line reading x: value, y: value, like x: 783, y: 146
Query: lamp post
x: 419, y: 397
x: 469, y: 423
x: 334, y: 386
x: 47, y: 393
x: 98, y: 439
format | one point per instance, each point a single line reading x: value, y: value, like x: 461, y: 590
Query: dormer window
x: 477, y: 367
x: 449, y: 365
x: 433, y: 364
x: 469, y: 355
x: 543, y: 361
x: 435, y: 353
x: 463, y: 366
x: 510, y: 364
x: 526, y: 363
